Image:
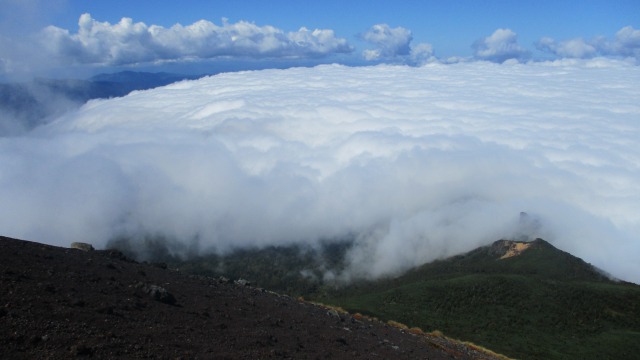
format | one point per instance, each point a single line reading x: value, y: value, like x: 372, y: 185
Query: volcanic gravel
x: 66, y: 303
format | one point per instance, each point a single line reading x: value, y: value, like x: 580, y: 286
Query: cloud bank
x: 414, y: 163
x: 625, y: 44
x: 129, y: 43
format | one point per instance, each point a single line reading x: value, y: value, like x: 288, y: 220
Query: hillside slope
x: 525, y: 300
x: 65, y: 303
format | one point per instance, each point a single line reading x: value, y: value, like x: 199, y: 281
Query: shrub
x: 397, y: 325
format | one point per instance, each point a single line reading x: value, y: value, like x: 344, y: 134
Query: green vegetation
x: 541, y: 304
x: 293, y: 270
x: 513, y: 315
x: 289, y: 270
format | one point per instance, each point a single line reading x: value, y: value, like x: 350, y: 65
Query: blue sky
x: 449, y: 28
x: 450, y: 25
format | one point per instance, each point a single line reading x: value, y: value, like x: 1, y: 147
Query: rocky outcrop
x: 157, y: 293
x: 82, y: 246
x: 507, y: 248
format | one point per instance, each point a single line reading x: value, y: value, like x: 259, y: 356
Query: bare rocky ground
x: 65, y: 303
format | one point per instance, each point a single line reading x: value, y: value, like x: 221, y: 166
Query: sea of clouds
x: 414, y: 163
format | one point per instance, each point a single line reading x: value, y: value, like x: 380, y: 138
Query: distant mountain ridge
x: 142, y: 78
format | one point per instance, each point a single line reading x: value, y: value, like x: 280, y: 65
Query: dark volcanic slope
x: 62, y: 303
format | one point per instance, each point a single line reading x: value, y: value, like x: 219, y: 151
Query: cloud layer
x: 414, y: 163
x: 128, y: 43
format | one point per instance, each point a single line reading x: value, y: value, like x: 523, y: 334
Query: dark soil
x: 66, y: 303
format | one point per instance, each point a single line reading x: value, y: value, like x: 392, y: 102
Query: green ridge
x: 541, y: 304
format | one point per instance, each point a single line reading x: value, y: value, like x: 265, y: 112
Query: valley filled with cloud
x: 413, y: 163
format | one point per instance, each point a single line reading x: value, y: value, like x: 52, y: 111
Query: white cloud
x: 574, y: 48
x: 421, y: 53
x: 502, y: 45
x: 395, y: 44
x: 128, y: 43
x: 625, y: 44
x: 416, y: 163
x: 389, y: 42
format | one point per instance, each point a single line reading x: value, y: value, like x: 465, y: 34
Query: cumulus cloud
x: 395, y: 44
x: 625, y: 44
x: 414, y: 163
x: 129, y: 42
x: 390, y: 42
x: 500, y: 46
x: 575, y: 48
x: 421, y: 53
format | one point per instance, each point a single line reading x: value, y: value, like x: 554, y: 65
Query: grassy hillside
x: 540, y: 304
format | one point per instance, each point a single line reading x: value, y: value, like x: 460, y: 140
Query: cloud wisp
x: 414, y: 163
x: 129, y: 42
